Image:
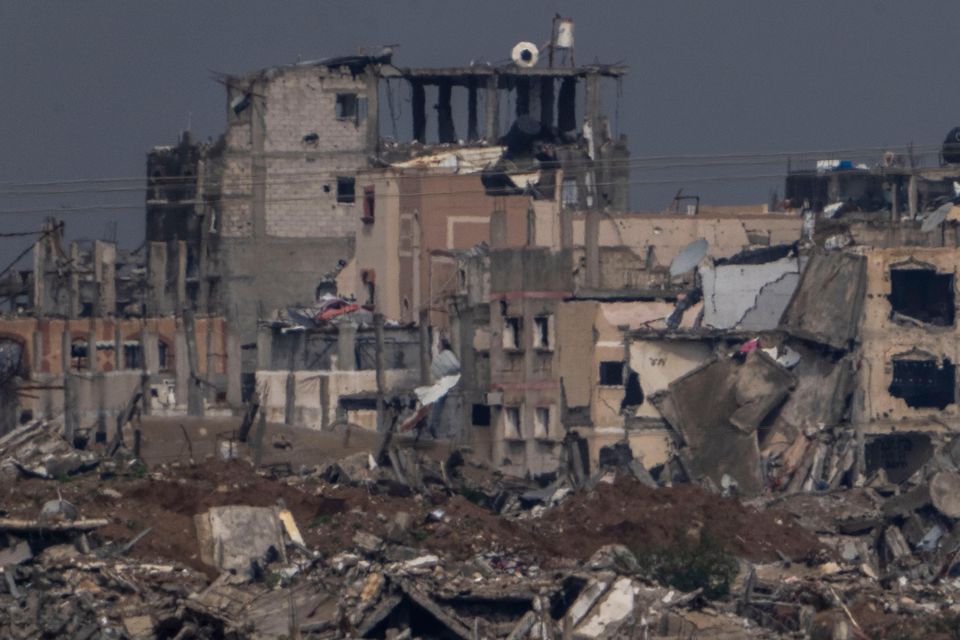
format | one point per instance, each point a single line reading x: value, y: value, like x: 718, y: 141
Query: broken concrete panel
x: 827, y: 304
x: 230, y: 538
x: 945, y: 493
x: 605, y: 618
x: 758, y: 391
x: 820, y: 397
x: 660, y: 362
x: 704, y: 404
x: 731, y: 292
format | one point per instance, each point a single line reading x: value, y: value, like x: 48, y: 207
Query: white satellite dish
x: 525, y: 54
x: 690, y: 257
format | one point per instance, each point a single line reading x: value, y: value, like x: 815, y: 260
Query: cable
x: 118, y: 207
x: 679, y: 160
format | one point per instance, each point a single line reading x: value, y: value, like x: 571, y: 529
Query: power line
x: 101, y: 208
x: 663, y: 161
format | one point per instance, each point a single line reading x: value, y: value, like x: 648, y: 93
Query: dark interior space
x: 900, y: 455
x: 922, y: 383
x: 923, y: 294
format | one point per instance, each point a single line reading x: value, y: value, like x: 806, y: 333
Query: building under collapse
x: 256, y: 219
x: 814, y: 342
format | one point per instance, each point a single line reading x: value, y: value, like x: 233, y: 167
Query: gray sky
x: 89, y: 87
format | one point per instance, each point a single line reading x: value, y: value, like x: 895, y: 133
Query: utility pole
x: 378, y: 336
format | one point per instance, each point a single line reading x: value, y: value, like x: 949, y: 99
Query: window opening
x: 611, y: 373
x: 481, y: 415
x: 542, y: 422
x: 922, y: 383
x: 511, y: 332
x: 923, y: 294
x: 346, y: 106
x: 346, y: 190
x: 511, y: 422
x: 541, y: 332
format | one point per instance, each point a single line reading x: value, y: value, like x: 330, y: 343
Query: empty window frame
x: 541, y: 422
x: 132, y: 356
x: 511, y: 423
x: 512, y: 332
x: 347, y: 106
x: 922, y: 383
x: 611, y: 373
x: 346, y: 190
x: 923, y: 294
x: 164, y: 357
x: 481, y: 415
x: 543, y: 332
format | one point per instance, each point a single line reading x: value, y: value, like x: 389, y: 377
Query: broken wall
x: 909, y: 338
x: 748, y: 296
x: 313, y: 398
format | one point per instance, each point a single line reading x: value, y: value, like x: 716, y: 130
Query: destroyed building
x: 284, y: 183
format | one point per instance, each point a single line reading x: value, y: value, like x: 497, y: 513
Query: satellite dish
x: 935, y: 218
x: 525, y: 54
x: 690, y: 257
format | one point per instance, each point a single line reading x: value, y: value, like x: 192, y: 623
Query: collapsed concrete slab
x: 717, y: 409
x: 231, y: 538
x: 748, y: 296
x: 827, y: 304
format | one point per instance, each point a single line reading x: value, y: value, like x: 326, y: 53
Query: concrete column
x: 472, y: 131
x: 210, y: 363
x: 158, y: 302
x: 181, y: 300
x: 69, y: 393
x: 381, y: 386
x: 104, y: 273
x: 74, y: 296
x: 258, y: 164
x: 194, y: 390
x: 265, y: 349
x: 145, y: 368
x: 593, y: 101
x: 119, y: 361
x: 93, y: 365
x: 290, y: 399
x: 491, y: 119
x: 234, y: 380
x: 912, y: 196
x: 592, y: 242
x: 37, y: 353
x: 150, y: 351
x: 346, y: 346
x: 498, y: 228
x: 182, y: 364
x: 373, y: 110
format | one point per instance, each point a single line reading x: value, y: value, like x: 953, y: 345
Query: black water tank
x: 951, y: 147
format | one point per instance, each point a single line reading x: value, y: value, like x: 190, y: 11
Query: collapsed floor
x: 428, y: 544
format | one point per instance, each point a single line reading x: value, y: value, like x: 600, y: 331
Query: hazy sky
x: 89, y: 87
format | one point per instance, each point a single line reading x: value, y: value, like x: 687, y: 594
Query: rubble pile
x: 416, y: 547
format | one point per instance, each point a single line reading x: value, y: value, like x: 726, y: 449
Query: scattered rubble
x: 447, y: 549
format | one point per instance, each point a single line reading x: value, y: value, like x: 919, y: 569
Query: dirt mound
x: 630, y: 513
